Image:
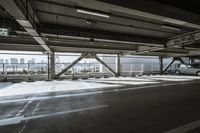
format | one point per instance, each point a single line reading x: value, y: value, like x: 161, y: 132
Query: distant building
x: 1, y: 60
x: 14, y: 60
x: 22, y: 60
x: 57, y: 59
x: 6, y: 61
x: 31, y: 61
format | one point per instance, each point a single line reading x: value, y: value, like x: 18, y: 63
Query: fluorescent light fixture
x: 130, y: 27
x: 174, y: 21
x: 171, y: 27
x: 93, y: 13
x: 90, y: 22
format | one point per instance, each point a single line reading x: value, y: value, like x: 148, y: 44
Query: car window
x: 183, y: 66
x: 196, y: 65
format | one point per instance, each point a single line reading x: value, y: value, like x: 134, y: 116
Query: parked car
x: 190, y: 69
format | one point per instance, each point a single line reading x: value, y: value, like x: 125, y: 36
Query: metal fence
x: 128, y: 67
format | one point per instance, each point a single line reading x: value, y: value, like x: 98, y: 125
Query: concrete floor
x: 147, y: 104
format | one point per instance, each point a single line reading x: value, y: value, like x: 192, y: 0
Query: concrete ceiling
x: 132, y: 26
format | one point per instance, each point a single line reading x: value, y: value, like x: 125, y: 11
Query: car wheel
x: 198, y: 73
x: 177, y: 72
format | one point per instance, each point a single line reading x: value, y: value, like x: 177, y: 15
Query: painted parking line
x: 185, y: 128
x: 93, y: 93
x: 11, y: 121
x: 18, y: 119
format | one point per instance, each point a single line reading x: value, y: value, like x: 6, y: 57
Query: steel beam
x: 103, y: 63
x: 167, y: 67
x: 23, y: 13
x: 174, y: 59
x: 179, y: 59
x: 49, y: 31
x: 71, y: 65
x: 147, y: 9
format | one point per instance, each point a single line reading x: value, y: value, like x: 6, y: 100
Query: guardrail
x: 40, y: 70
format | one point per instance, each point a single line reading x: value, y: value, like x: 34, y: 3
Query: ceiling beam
x: 23, y: 13
x: 147, y: 9
x: 92, y: 33
x: 106, y: 22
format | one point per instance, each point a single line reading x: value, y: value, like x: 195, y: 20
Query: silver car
x: 188, y: 69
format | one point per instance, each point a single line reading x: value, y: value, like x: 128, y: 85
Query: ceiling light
x: 93, y: 13
x: 92, y: 40
x: 90, y: 22
x: 130, y: 26
x: 174, y: 21
x: 171, y: 27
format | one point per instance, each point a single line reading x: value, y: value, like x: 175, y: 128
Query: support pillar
x: 52, y: 65
x: 118, y: 65
x: 48, y: 66
x: 192, y: 60
x: 161, y: 64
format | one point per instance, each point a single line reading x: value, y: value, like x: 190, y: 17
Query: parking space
x: 147, y: 103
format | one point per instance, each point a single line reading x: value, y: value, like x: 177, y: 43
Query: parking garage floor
x: 145, y: 104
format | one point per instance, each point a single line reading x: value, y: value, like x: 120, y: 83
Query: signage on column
x: 184, y: 40
x: 3, y: 32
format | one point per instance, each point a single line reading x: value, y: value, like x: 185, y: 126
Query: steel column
x: 48, y: 66
x: 52, y: 64
x: 161, y: 64
x: 118, y: 65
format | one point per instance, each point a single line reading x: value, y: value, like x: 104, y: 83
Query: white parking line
x: 11, y: 121
x: 64, y: 112
x: 185, y: 128
x: 93, y: 93
x: 18, y: 119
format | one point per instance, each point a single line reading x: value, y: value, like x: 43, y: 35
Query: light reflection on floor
x: 11, y: 89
